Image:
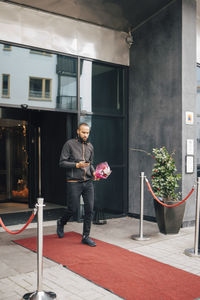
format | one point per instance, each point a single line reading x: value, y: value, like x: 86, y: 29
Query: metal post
x: 195, y: 251
x: 39, y: 162
x: 40, y: 294
x: 196, y: 240
x: 141, y: 237
x: 40, y: 245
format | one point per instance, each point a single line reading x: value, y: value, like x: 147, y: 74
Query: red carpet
x: 127, y: 274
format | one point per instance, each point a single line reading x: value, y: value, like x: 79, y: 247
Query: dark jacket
x: 73, y: 152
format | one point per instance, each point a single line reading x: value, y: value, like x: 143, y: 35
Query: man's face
x: 83, y: 132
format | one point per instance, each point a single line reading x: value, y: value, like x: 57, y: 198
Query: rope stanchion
x: 196, y: 250
x: 141, y: 236
x: 164, y: 204
x: 23, y: 228
x: 39, y: 294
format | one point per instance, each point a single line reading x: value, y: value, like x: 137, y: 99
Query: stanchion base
x: 139, y: 238
x: 191, y: 252
x: 40, y: 296
x: 100, y: 222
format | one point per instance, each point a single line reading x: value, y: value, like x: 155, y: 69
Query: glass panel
x: 35, y: 88
x: 107, y: 89
x: 54, y: 77
x: 106, y: 132
x: 101, y: 88
x: 109, y: 193
x: 67, y: 79
x: 107, y: 136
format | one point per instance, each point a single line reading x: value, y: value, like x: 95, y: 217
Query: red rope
x: 16, y: 232
x: 167, y: 205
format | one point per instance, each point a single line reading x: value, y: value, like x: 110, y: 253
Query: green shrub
x: 164, y: 175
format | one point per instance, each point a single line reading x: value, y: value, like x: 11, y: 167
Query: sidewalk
x: 18, y: 265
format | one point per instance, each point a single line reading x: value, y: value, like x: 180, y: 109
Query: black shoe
x: 88, y: 241
x: 60, y: 229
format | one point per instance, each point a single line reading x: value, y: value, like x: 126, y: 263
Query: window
x: 39, y: 52
x: 5, y: 85
x: 7, y: 47
x: 39, y: 88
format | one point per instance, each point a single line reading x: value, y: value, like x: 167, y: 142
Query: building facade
x: 128, y: 69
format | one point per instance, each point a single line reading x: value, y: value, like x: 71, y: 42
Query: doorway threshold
x: 19, y: 213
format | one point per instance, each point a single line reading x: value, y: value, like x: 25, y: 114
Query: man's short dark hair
x: 83, y: 124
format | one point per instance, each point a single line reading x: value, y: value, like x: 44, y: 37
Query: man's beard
x: 82, y: 140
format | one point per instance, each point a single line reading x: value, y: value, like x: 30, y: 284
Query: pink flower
x: 102, y: 170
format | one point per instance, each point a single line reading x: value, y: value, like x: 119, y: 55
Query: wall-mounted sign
x: 189, y: 164
x: 189, y: 118
x: 190, y: 147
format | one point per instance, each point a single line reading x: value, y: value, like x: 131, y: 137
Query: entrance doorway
x: 23, y: 168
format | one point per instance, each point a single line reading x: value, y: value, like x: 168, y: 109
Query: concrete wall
x: 155, y: 101
x: 189, y: 95
x: 198, y: 31
x: 29, y: 27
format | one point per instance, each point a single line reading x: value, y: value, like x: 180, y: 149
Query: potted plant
x: 165, y: 182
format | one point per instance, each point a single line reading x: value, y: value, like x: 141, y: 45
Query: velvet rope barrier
x: 24, y: 227
x: 167, y: 205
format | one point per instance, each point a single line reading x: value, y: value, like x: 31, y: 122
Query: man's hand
x: 82, y: 164
x: 95, y: 178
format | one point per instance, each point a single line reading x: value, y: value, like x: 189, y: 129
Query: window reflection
x: 40, y: 88
x: 38, y: 77
x: 39, y: 52
x: 50, y: 81
x: 28, y: 78
x: 86, y: 86
x: 67, y: 81
x: 7, y: 47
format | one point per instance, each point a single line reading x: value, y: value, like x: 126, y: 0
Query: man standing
x: 77, y: 158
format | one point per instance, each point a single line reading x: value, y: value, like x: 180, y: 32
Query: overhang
x: 116, y: 14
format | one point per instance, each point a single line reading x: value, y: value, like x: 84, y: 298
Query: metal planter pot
x: 169, y: 219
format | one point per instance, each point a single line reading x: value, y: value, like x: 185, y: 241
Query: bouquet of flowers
x: 102, y: 170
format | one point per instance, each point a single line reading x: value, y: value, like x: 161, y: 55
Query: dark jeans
x: 74, y: 191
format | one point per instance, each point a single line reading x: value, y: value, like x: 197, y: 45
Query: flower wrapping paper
x: 102, y: 170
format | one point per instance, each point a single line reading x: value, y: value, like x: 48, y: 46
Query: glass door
x: 103, y: 106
